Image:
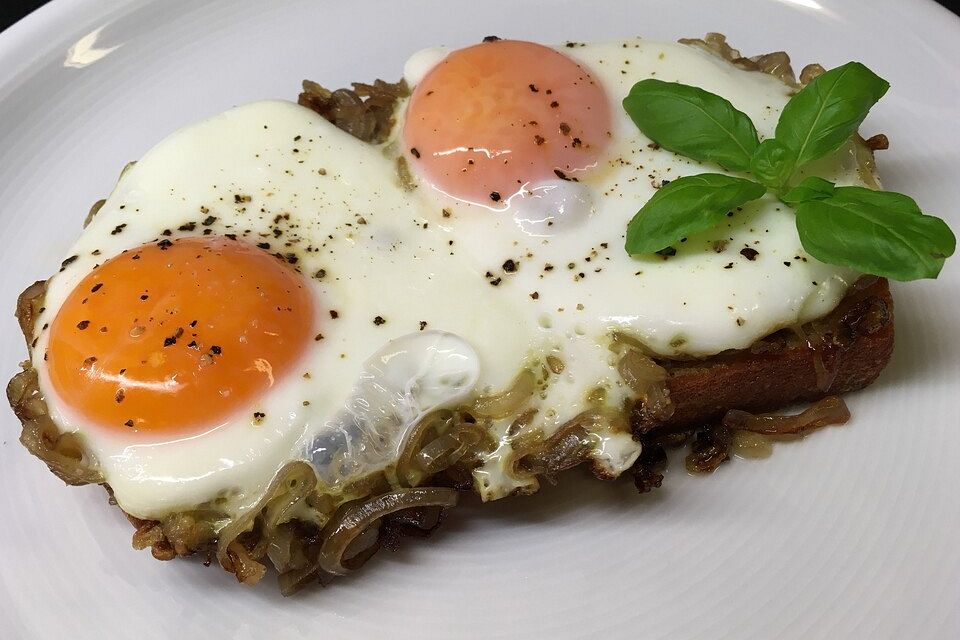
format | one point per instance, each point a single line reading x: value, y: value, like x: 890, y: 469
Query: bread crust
x: 844, y: 351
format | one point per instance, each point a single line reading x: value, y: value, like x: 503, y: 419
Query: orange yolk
x: 175, y: 337
x: 492, y: 118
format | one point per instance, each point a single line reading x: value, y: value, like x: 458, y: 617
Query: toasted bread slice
x: 842, y: 352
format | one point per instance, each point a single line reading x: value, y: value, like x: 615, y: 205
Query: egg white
x: 392, y: 253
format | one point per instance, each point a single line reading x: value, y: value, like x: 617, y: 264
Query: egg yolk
x: 178, y: 336
x: 491, y: 119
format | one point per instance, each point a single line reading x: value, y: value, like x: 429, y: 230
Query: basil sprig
x: 812, y: 188
x: 693, y: 122
x: 687, y: 206
x: 878, y: 232
x: 822, y: 116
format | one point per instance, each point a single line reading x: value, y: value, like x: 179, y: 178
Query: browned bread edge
x: 851, y: 346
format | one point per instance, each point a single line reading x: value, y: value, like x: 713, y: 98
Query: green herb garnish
x: 878, y: 232
x: 687, y: 206
x: 693, y: 122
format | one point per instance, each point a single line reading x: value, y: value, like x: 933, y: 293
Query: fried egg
x: 261, y: 287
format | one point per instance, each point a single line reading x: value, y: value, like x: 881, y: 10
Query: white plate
x: 849, y: 534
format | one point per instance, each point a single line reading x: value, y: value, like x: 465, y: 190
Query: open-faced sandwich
x: 294, y: 332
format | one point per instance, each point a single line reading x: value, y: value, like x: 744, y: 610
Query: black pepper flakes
x: 495, y: 196
x: 423, y: 325
x: 164, y: 244
x: 496, y: 282
x: 415, y: 153
x: 209, y: 220
x: 172, y: 340
x: 66, y: 263
x: 121, y: 394
x: 749, y: 254
x: 491, y: 38
x: 378, y: 320
x: 83, y: 324
x: 510, y: 266
x: 334, y: 314
x: 128, y: 423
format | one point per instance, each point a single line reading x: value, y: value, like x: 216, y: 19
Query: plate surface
x: 851, y: 533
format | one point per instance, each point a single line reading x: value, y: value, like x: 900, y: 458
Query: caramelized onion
x: 565, y: 449
x: 352, y: 520
x: 710, y: 448
x: 28, y: 308
x: 508, y: 402
x: 292, y: 581
x: 826, y: 354
x: 94, y: 210
x: 242, y: 565
x: 811, y: 71
x: 62, y: 452
x: 570, y: 445
x: 830, y: 410
x: 649, y: 467
x: 446, y: 450
x: 365, y: 111
x: 776, y: 64
x: 648, y: 380
x: 441, y: 440
x: 293, y: 483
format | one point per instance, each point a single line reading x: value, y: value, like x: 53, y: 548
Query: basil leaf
x: 686, y: 206
x: 692, y: 122
x: 773, y: 163
x: 825, y: 113
x: 812, y: 188
x: 876, y: 232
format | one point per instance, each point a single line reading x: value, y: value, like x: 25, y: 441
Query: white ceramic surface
x: 849, y: 534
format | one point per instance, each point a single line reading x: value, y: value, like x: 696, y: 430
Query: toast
x: 842, y: 352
